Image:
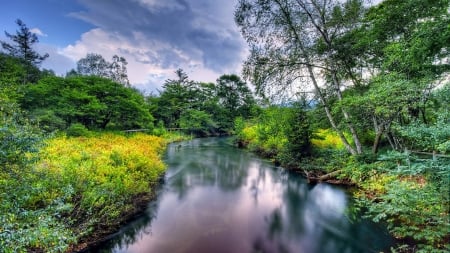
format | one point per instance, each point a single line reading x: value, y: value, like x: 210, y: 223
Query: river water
x: 217, y: 198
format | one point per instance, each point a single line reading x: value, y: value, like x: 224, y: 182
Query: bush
x: 411, y: 195
x: 77, y: 130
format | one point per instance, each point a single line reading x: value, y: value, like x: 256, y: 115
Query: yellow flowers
x: 107, y: 171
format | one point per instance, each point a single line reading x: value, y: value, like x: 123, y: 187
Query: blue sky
x: 51, y: 16
x: 155, y: 36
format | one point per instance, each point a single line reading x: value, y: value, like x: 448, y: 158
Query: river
x: 217, y: 198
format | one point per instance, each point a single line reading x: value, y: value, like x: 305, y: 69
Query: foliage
x: 326, y: 138
x: 95, y: 102
x: 77, y: 130
x: 96, y: 65
x: 281, y: 133
x: 26, y: 221
x: 411, y: 195
x: 434, y: 134
x: 24, y: 40
x: 77, y: 186
x: 31, y: 214
x: 198, y: 122
x: 204, y: 108
x: 19, y: 139
x: 298, y: 135
x: 13, y: 74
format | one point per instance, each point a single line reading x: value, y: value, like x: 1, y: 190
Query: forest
x: 337, y: 91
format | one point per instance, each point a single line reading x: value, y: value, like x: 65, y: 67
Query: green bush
x: 77, y: 130
x: 410, y: 194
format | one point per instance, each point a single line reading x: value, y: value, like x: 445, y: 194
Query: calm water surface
x: 217, y: 198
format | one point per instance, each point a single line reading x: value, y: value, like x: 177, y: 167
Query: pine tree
x: 23, y: 40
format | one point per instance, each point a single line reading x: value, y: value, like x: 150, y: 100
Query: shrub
x: 411, y: 195
x: 77, y: 130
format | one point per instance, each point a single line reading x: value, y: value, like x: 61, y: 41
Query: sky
x: 155, y: 36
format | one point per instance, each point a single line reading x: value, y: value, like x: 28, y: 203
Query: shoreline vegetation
x: 408, y: 193
x: 79, y: 190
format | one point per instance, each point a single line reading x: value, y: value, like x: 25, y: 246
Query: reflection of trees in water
x: 285, y: 224
x: 310, y: 219
x: 207, y: 165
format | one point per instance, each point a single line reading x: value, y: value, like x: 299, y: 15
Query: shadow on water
x: 217, y: 198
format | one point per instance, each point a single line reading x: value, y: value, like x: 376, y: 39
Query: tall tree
x: 234, y: 97
x: 178, y: 95
x: 95, y: 65
x: 118, y: 70
x: 22, y: 48
x: 407, y: 62
x: 292, y: 44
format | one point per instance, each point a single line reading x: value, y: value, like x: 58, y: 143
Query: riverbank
x: 79, y: 190
x: 218, y: 198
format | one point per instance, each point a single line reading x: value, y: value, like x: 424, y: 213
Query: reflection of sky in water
x: 220, y: 199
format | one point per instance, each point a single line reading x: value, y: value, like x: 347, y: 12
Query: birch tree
x: 292, y: 46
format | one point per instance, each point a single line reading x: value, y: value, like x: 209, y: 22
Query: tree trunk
x: 346, y: 116
x: 376, y: 142
x: 329, y: 175
x: 328, y: 113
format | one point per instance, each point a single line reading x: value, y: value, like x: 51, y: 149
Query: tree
x: 95, y: 102
x: 407, y: 62
x: 198, y: 122
x: 93, y: 64
x: 118, y: 70
x: 298, y: 133
x: 96, y: 65
x: 24, y: 40
x: 178, y: 95
x: 292, y: 44
x: 235, y: 98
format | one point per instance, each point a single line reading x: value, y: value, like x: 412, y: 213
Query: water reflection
x: 221, y: 199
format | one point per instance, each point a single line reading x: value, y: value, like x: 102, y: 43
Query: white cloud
x: 38, y: 32
x: 150, y: 62
x: 158, y: 37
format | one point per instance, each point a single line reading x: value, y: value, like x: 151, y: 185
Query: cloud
x: 38, y: 32
x: 157, y: 37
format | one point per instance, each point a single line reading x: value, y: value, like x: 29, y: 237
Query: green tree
x: 235, y: 98
x: 177, y: 96
x: 22, y: 48
x: 298, y: 133
x: 198, y: 122
x: 293, y: 45
x: 406, y: 63
x: 95, y: 102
